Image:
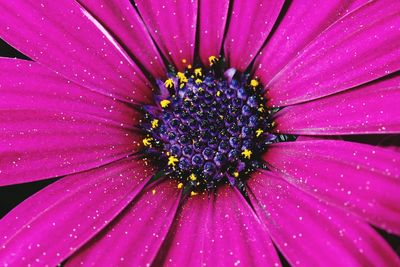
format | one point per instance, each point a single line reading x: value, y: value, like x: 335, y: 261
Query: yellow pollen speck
x: 254, y: 83
x: 169, y: 83
x: 201, y: 89
x: 259, y: 132
x: 198, y: 72
x: 247, y: 153
x: 261, y: 109
x: 193, y: 177
x: 172, y: 160
x: 198, y: 81
x: 218, y: 93
x: 184, y: 61
x: 182, y: 85
x: 147, y: 141
x: 180, y: 185
x: 236, y: 174
x: 153, y: 191
x: 212, y: 60
x: 154, y: 123
x: 193, y: 193
x: 182, y: 77
x: 164, y: 103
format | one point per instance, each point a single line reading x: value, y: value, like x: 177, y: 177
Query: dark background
x: 10, y: 196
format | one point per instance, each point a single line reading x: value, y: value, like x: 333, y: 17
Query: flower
x: 98, y: 107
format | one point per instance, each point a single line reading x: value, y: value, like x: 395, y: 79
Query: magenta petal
x: 360, y: 178
x: 303, y: 21
x: 368, y: 109
x: 358, y: 48
x: 212, y: 21
x: 56, y: 34
x: 218, y: 230
x: 136, y: 236
x: 122, y: 20
x: 310, y: 233
x: 52, y: 127
x: 173, y: 27
x: 27, y: 85
x: 43, y: 144
x: 249, y: 27
x: 68, y: 213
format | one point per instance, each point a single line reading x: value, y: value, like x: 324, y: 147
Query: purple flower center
x: 210, y: 126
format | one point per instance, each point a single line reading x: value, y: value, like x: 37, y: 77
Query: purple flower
x: 200, y: 133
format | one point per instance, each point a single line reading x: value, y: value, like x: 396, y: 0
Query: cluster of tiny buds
x: 209, y: 125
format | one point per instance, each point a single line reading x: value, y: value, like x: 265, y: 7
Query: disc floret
x: 209, y: 125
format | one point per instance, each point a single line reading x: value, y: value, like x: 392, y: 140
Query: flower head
x: 208, y: 126
x: 192, y: 133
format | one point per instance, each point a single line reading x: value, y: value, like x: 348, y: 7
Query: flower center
x: 210, y: 125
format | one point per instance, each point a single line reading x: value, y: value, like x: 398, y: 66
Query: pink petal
x: 55, y: 33
x: 218, y: 230
x: 368, y: 109
x: 136, y: 236
x: 52, y: 224
x: 310, y: 233
x: 212, y: 21
x: 303, y: 21
x: 358, y: 48
x: 122, y: 20
x: 37, y: 144
x: 360, y: 178
x: 249, y: 27
x: 173, y: 27
x: 27, y: 85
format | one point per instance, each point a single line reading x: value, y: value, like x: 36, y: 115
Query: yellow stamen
x: 198, y: 72
x: 154, y: 123
x: 236, y: 174
x: 259, y: 132
x: 172, y: 160
x: 189, y: 66
x: 213, y: 60
x: 198, y: 81
x: 147, y: 141
x: 180, y: 185
x: 218, y: 93
x: 261, y: 109
x: 193, y: 177
x: 247, y: 153
x: 201, y: 89
x: 193, y: 193
x: 169, y: 83
x: 254, y: 83
x: 184, y: 61
x: 164, y: 103
x: 182, y: 77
